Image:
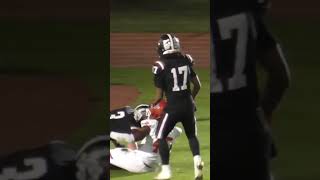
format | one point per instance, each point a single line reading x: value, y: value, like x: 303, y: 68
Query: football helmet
x: 92, y: 159
x: 141, y: 112
x: 168, y: 44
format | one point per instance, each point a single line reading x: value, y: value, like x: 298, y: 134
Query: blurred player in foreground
x: 58, y: 161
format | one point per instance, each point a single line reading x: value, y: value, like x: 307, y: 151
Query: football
x: 157, y: 110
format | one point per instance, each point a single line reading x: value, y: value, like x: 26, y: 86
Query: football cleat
x: 164, y: 174
x: 198, y: 166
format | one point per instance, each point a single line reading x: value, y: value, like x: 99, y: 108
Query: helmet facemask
x: 141, y: 112
x: 168, y: 44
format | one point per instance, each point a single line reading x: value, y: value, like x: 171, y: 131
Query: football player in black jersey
x: 173, y: 74
x: 58, y: 161
x: 239, y: 116
x: 125, y: 125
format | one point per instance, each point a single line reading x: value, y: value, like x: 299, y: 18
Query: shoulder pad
x: 129, y: 110
x: 188, y: 56
x: 157, y: 67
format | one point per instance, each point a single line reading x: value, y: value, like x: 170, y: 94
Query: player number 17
x: 184, y: 71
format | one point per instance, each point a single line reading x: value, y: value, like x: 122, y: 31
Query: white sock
x: 196, y: 158
x: 165, y: 167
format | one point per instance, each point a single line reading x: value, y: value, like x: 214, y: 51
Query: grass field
x: 160, y: 16
x: 181, y: 158
x: 296, y: 124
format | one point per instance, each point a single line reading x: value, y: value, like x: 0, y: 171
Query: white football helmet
x: 168, y: 44
x: 142, y: 112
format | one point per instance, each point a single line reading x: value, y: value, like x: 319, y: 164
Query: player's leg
x: 189, y: 124
x: 173, y: 135
x: 150, y: 161
x: 164, y: 128
x: 121, y: 138
x: 132, y: 160
x: 122, y: 158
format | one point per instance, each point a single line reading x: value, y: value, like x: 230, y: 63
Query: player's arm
x: 158, y: 96
x: 196, y: 86
x: 140, y: 133
x: 157, y: 70
x: 278, y: 78
x: 274, y: 63
x: 194, y: 78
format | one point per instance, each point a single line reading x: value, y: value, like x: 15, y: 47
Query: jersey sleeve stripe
x: 284, y: 61
x: 198, y: 80
x: 162, y: 126
x: 160, y: 64
x: 190, y: 58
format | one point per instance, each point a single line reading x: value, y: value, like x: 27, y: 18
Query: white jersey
x: 146, y: 157
x: 135, y: 161
x: 146, y: 144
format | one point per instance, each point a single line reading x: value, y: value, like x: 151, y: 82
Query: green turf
x: 296, y: 123
x: 181, y: 158
x: 160, y: 16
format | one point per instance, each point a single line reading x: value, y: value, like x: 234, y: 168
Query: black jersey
x: 122, y: 120
x: 49, y: 162
x: 238, y: 36
x: 173, y: 74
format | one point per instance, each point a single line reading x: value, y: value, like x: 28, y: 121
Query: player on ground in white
x: 143, y: 157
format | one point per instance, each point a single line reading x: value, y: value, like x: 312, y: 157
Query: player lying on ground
x: 58, y: 161
x: 124, y: 129
x: 124, y: 126
x: 142, y: 157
